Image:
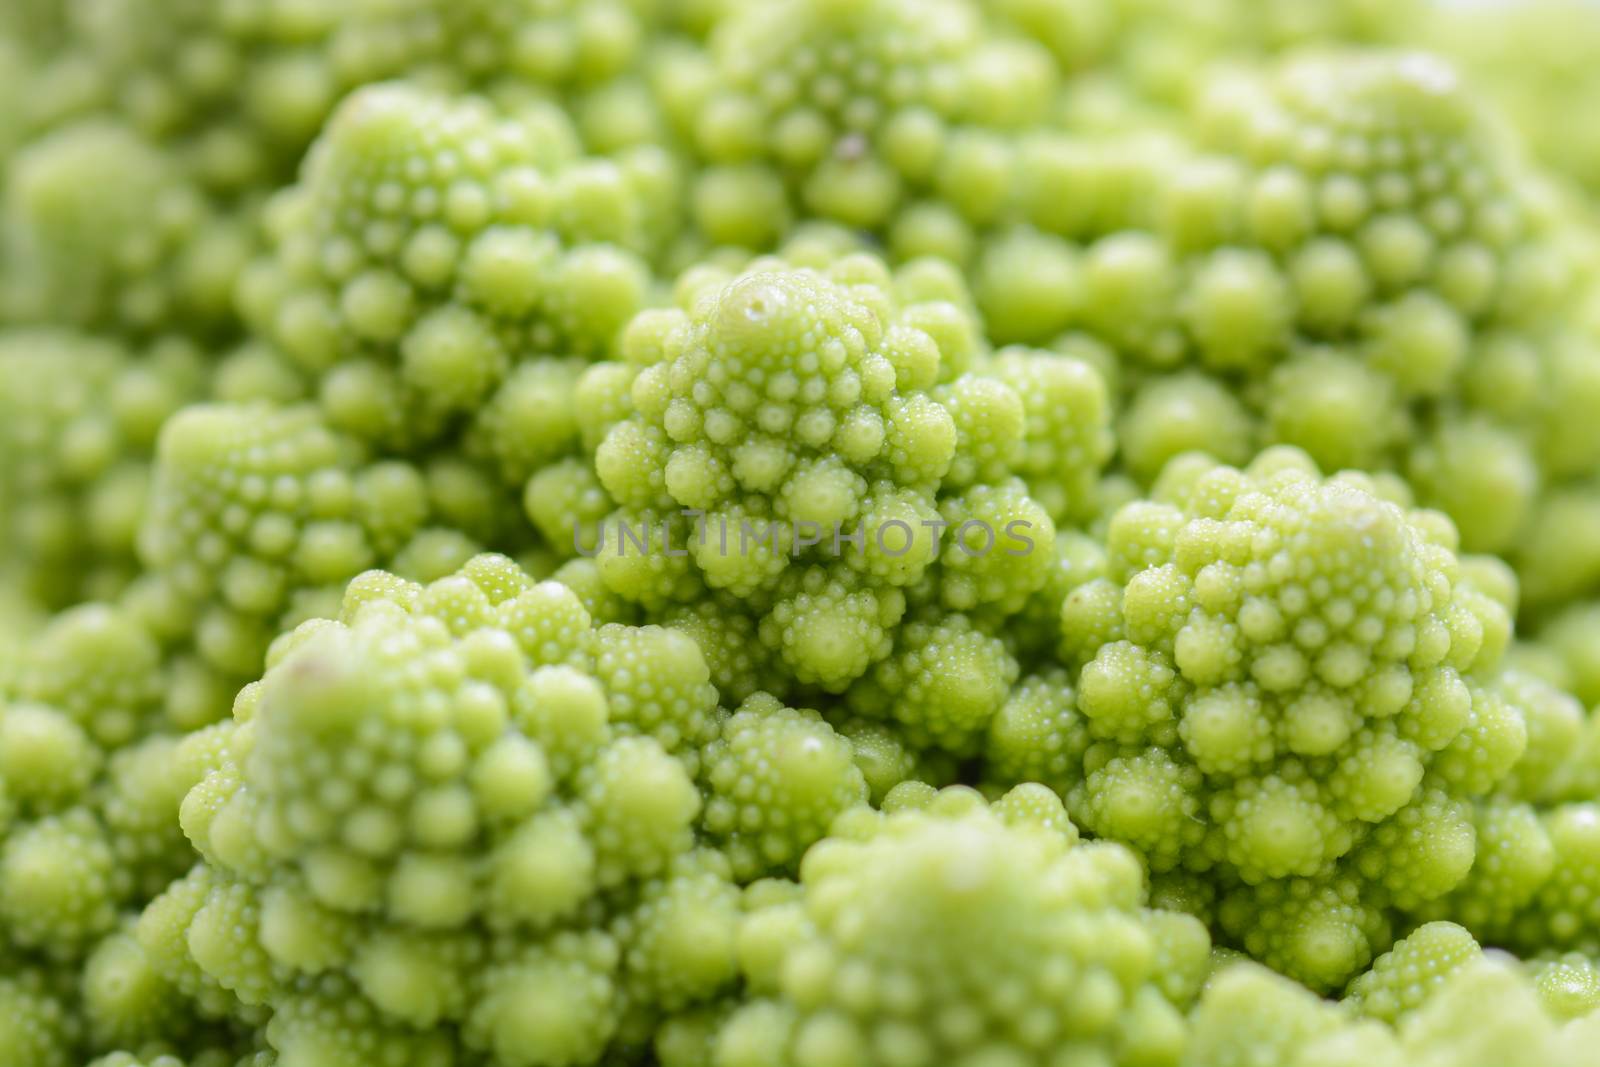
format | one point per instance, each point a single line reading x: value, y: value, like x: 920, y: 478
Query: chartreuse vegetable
x: 836, y: 457
x: 944, y: 930
x: 460, y: 803
x: 79, y: 418
x: 435, y: 241
x: 798, y: 533
x: 1287, y: 682
x: 1356, y: 239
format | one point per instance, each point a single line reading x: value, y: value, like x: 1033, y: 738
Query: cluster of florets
x: 1303, y: 640
x: 1353, y: 262
x: 202, y: 112
x: 945, y: 930
x: 636, y: 470
x: 1435, y: 999
x: 88, y: 833
x: 234, y: 93
x: 1288, y: 682
x: 828, y: 453
x: 79, y: 416
x: 258, y: 515
x: 434, y: 242
x: 139, y: 256
x: 855, y: 112
x: 463, y: 803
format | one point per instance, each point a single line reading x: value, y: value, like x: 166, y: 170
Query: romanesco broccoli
x: 799, y: 533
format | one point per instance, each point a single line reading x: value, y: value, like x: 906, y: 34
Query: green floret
x: 237, y: 94
x: 1028, y: 285
x: 936, y: 913
x: 530, y: 421
x: 1174, y: 414
x: 1352, y: 260
x: 1399, y: 182
x: 885, y: 758
x: 582, y: 576
x: 162, y: 930
x: 567, y: 505
x: 443, y: 797
x: 125, y: 1003
x: 88, y: 822
x: 999, y: 549
x: 1556, y: 558
x: 78, y: 422
x: 1564, y: 912
x: 658, y: 684
x: 1541, y: 101
x: 434, y: 241
x: 1490, y: 1012
x: 1249, y: 1016
x: 795, y: 420
x: 234, y: 95
x: 326, y: 1022
x: 46, y: 759
x: 1301, y: 651
x: 1038, y: 734
x: 681, y: 935
x: 1077, y: 561
x: 1455, y: 1008
x: 138, y: 254
x: 740, y: 664
x: 36, y: 1025
x: 100, y: 668
x: 1553, y: 766
x: 1319, y: 933
x: 1337, y: 408
x: 1183, y: 953
x: 774, y: 781
x: 989, y: 420
x: 796, y: 533
x: 562, y: 44
x: 1423, y: 851
x: 1408, y: 975
x: 1066, y: 436
x: 829, y: 627
x: 943, y: 684
x: 1482, y: 475
x: 1544, y: 383
x: 788, y: 385
x: 1514, y: 855
x: 1143, y: 799
x: 1568, y: 985
x: 137, y: 799
x: 57, y: 883
x: 858, y: 107
x: 1539, y: 383
x: 644, y: 556
x: 253, y: 505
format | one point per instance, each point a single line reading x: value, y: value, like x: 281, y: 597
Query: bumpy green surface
x: 1289, y: 684
x: 948, y: 931
x: 799, y: 533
